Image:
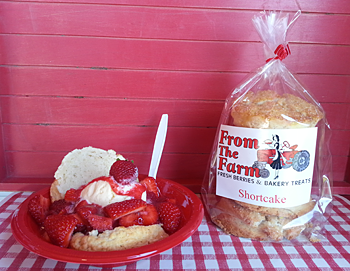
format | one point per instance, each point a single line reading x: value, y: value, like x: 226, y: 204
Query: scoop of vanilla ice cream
x: 101, y: 193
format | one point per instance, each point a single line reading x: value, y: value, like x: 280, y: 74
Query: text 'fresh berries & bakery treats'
x: 98, y: 203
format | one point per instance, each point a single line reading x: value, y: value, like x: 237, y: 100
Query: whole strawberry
x: 124, y: 171
x: 169, y: 216
x: 60, y: 228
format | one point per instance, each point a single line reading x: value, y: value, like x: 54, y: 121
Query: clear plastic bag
x: 269, y: 172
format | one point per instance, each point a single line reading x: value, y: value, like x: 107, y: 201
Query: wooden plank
x: 16, y: 80
x: 123, y: 53
x: 327, y: 88
x: 329, y: 7
x: 319, y: 28
x: 338, y: 115
x: 341, y: 165
x: 167, y: 23
x: 113, y: 111
x: 123, y: 139
x: 55, y: 110
x: 108, y: 53
x: 233, y: 4
x: 340, y: 143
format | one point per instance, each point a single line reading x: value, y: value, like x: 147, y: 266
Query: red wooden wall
x: 75, y: 73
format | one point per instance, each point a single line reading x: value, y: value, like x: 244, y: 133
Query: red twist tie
x: 281, y: 53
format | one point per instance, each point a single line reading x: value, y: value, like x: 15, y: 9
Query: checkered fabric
x: 207, y: 249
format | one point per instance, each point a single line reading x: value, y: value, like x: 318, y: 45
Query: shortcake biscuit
x: 120, y: 238
x: 268, y: 110
x: 81, y: 166
x: 243, y: 222
x: 291, y: 212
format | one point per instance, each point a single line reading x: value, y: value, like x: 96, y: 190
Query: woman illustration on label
x: 276, y: 163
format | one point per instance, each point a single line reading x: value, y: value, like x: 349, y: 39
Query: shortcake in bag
x: 269, y: 172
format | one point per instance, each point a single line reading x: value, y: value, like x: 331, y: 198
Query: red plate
x: 27, y: 232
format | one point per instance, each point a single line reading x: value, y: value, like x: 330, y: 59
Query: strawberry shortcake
x: 98, y: 203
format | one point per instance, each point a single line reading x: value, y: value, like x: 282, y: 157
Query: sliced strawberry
x: 82, y: 226
x: 81, y: 204
x: 38, y: 208
x: 124, y: 171
x: 60, y: 228
x: 119, y: 209
x: 130, y: 220
x: 151, y: 186
x: 100, y: 223
x: 149, y: 215
x: 61, y: 207
x: 85, y: 211
x: 169, y: 216
x: 145, y: 217
x: 73, y: 195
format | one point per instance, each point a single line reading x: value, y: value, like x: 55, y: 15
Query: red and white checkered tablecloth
x: 208, y: 249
